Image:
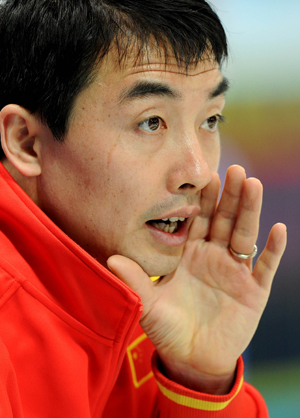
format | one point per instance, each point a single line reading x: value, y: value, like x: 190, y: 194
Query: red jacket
x: 70, y: 341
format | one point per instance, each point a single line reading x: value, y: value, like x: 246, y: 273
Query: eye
x: 152, y: 124
x: 211, y: 123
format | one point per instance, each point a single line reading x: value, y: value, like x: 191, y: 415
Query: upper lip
x: 184, y: 212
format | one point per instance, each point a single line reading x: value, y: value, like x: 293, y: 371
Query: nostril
x: 186, y: 186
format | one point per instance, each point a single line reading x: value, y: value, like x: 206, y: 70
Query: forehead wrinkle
x: 184, y: 73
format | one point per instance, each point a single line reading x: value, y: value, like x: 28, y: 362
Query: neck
x: 28, y: 184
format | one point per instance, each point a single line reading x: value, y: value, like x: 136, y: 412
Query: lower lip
x: 176, y: 239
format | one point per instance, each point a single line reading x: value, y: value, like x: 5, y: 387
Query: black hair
x: 49, y: 49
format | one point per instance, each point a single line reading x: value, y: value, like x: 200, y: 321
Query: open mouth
x: 168, y: 225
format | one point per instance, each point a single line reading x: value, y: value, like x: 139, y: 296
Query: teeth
x: 173, y: 219
x: 161, y: 225
x: 169, y: 228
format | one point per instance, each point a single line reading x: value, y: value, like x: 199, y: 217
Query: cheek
x: 212, y: 151
x: 124, y: 181
x: 216, y: 160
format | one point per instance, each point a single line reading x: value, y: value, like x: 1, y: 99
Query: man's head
x: 112, y: 108
x: 50, y: 49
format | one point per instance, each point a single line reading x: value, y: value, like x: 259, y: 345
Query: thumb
x: 133, y: 276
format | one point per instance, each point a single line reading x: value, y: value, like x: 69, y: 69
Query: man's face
x: 142, y: 143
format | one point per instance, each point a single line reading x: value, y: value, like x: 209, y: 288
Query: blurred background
x: 262, y: 133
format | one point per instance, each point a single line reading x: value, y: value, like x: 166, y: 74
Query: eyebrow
x: 221, y: 88
x: 143, y: 89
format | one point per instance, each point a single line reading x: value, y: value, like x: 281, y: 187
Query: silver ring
x: 243, y: 256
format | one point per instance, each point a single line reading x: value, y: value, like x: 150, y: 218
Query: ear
x: 19, y: 139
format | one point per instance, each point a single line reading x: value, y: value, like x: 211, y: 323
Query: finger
x: 246, y: 227
x: 209, y: 199
x: 267, y: 264
x: 130, y: 273
x: 227, y: 210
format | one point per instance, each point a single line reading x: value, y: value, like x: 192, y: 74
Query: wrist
x: 214, y: 384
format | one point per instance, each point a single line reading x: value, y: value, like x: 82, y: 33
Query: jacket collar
x: 60, y: 269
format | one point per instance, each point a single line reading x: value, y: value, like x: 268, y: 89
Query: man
x: 109, y: 131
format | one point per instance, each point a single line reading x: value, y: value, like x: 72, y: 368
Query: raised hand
x: 201, y: 317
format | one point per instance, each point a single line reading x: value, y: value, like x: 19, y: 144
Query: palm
x: 217, y: 305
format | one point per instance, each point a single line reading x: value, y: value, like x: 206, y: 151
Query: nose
x: 190, y: 170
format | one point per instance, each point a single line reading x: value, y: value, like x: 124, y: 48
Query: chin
x: 159, y: 265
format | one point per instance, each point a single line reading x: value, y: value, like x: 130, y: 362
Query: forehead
x: 152, y: 59
x: 114, y: 81
x: 155, y: 65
